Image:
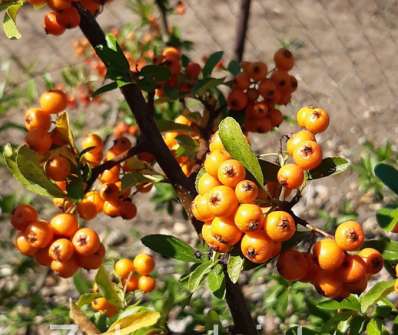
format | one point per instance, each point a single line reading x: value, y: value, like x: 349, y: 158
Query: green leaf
x: 206, y: 84
x: 388, y: 175
x: 132, y: 179
x: 155, y: 73
x: 236, y: 144
x: 200, y: 173
x: 130, y: 324
x: 374, y: 327
x: 30, y: 168
x: 75, y: 189
x: 329, y: 166
x: 216, y: 281
x: 387, y: 218
x: 198, y: 275
x: 211, y: 63
x: 82, y: 284
x: 234, y: 67
x: 187, y: 146
x: 106, y: 286
x: 86, y: 299
x: 377, y: 292
x: 357, y: 324
x: 234, y: 267
x: 170, y: 247
x: 349, y: 303
x: 63, y: 126
x: 9, y: 21
x: 106, y: 88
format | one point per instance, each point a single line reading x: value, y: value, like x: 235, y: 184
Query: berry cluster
x: 182, y: 77
x: 59, y: 244
x: 64, y: 14
x: 226, y: 205
x: 331, y: 268
x: 303, y: 148
x: 256, y: 91
x: 132, y: 275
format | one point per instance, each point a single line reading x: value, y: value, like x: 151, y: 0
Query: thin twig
x: 309, y: 226
x: 163, y: 14
x: 243, y: 23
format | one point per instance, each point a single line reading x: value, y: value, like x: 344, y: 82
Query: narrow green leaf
x: 198, y: 275
x: 32, y: 171
x: 9, y: 22
x: 106, y: 286
x: 206, y: 84
x: 87, y: 298
x: 211, y: 63
x: 82, y: 284
x: 377, y: 292
x: 216, y: 281
x: 236, y: 144
x: 387, y: 218
x: 388, y: 175
x: 234, y: 67
x: 170, y: 247
x: 106, y: 88
x: 329, y: 166
x: 75, y: 189
x: 374, y: 327
x: 234, y: 267
x: 349, y: 303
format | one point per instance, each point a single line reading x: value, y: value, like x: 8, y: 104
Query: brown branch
x: 243, y: 23
x: 163, y: 14
x: 309, y: 226
x: 154, y: 141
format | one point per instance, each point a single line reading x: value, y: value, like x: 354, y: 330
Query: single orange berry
x: 297, y: 138
x: 373, y: 259
x: 69, y: 18
x: 214, y: 160
x: 24, y: 246
x: 144, y: 264
x: 38, y: 140
x: 52, y: 24
x: 206, y: 182
x: 349, y: 236
x: 146, y: 284
x: 280, y: 226
x: 39, y: 234
x: 246, y: 191
x: 231, y: 172
x: 36, y: 118
x: 64, y: 224
x: 258, y: 248
x: 87, y: 209
x: 353, y: 269
x: 291, y: 176
x: 58, y: 168
x: 222, y: 201
x: 328, y: 254
x: 86, y: 241
x: 124, y: 268
x: 317, y: 120
x: 53, y: 101
x: 249, y: 218
x: 225, y: 231
x: 201, y: 208
x: 61, y: 250
x: 284, y: 59
x: 22, y: 215
x: 308, y: 155
x: 65, y: 269
x: 292, y: 265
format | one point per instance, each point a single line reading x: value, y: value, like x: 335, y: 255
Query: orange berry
x: 128, y: 210
x: 242, y: 81
x: 64, y: 224
x: 284, y: 59
x: 302, y: 115
x: 267, y: 90
x: 110, y: 192
x: 317, y: 120
x: 252, y: 94
x: 258, y: 248
x: 258, y: 71
x: 146, y: 284
x: 353, y: 269
x: 373, y: 259
x: 349, y: 236
x: 359, y: 286
x: 213, y: 161
x: 225, y: 231
x: 57, y: 168
x: 52, y: 24
x: 292, y: 265
x: 171, y: 53
x: 53, y: 101
x: 329, y: 283
x: 222, y: 201
x: 291, y: 176
x: 249, y: 218
x: 96, y: 199
x: 193, y: 70
x: 276, y: 117
x: 94, y: 142
x: 120, y: 145
x: 216, y: 143
x: 206, y: 182
x: 328, y: 254
x: 111, y: 209
x: 69, y: 18
x: 110, y: 176
x: 280, y: 226
x: 24, y: 246
x: 308, y: 155
x: 100, y: 304
x: 61, y: 250
x: 87, y: 209
x: 212, y: 242
x: 297, y: 138
x: 43, y: 258
x: 131, y: 284
x: 22, y: 215
x: 246, y: 191
x: 144, y: 264
x: 39, y: 234
x: 59, y: 4
x: 91, y: 5
x: 38, y: 140
x: 237, y: 100
x: 65, y: 269
x: 124, y: 267
x: 231, y: 172
x: 94, y: 261
x: 35, y: 118
x: 86, y: 241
